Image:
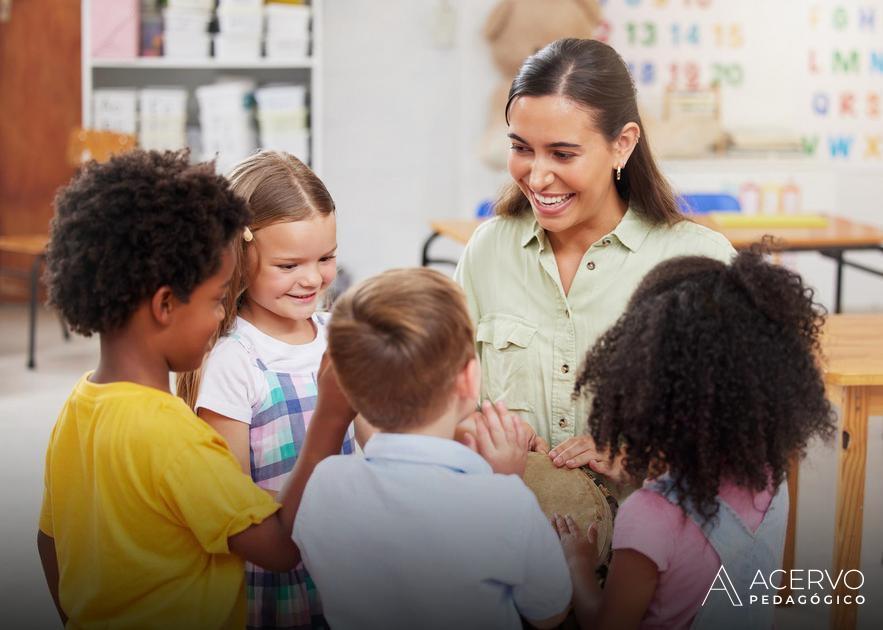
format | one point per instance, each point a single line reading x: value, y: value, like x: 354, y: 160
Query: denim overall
x: 742, y: 554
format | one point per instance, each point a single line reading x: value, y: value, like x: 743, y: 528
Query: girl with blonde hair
x: 257, y: 386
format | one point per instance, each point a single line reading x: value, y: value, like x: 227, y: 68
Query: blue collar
x: 425, y: 449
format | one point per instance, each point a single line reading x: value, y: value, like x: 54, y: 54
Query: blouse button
x: 562, y: 423
x: 606, y: 241
x: 590, y: 265
x: 565, y: 369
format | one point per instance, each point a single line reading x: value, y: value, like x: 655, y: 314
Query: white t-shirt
x: 233, y: 386
x: 421, y: 534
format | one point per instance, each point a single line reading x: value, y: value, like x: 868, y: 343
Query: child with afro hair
x: 146, y: 514
x: 707, y: 387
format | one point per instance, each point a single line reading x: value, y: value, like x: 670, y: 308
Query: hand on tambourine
x: 499, y: 436
x: 535, y: 442
x: 611, y: 467
x: 332, y: 405
x: 467, y: 427
x: 580, y: 548
x: 575, y: 452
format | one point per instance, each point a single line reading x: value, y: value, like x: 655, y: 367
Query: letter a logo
x: 722, y: 582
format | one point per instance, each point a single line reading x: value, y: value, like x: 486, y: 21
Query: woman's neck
x: 578, y: 238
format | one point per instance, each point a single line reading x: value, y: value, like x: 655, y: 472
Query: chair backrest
x: 93, y: 144
x: 703, y: 202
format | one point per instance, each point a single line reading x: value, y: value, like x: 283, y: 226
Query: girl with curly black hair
x: 707, y: 386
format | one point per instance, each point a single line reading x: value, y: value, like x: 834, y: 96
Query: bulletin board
x: 812, y: 69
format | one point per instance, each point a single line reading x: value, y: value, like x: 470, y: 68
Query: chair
x: 29, y: 245
x: 703, y: 203
x: 83, y: 145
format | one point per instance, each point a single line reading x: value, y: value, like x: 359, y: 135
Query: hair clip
x: 247, y: 236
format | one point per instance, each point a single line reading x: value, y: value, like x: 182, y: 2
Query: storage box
x: 287, y: 20
x: 203, y: 5
x: 241, y: 21
x: 237, y: 47
x: 186, y: 20
x: 287, y: 48
x: 181, y: 44
x: 115, y: 110
x: 115, y: 28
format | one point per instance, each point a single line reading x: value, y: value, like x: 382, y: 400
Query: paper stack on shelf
x: 163, y: 120
x: 282, y: 119
x: 226, y: 119
x: 185, y: 28
x: 241, y: 24
x: 288, y: 31
x: 115, y: 110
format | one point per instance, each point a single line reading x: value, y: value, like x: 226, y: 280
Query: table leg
x: 850, y: 497
x: 424, y: 259
x: 32, y: 324
x: 838, y: 283
x: 791, y: 533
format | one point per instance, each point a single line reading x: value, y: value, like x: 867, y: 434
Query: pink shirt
x: 650, y: 524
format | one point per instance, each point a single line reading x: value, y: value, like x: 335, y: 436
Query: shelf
x: 210, y: 63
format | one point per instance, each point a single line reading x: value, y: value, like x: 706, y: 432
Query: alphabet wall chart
x: 810, y: 69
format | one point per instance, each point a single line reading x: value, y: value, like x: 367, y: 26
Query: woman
x: 587, y: 215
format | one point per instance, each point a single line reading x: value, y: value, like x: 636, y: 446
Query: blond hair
x: 278, y: 188
x: 398, y: 340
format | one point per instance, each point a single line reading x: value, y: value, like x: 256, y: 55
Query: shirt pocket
x: 505, y: 344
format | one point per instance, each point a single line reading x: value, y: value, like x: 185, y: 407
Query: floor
x: 30, y: 401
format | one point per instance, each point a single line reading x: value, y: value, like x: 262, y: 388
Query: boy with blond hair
x: 423, y: 531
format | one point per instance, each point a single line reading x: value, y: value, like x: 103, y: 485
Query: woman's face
x: 562, y: 163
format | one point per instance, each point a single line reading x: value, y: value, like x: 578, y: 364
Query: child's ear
x: 468, y: 381
x: 162, y: 304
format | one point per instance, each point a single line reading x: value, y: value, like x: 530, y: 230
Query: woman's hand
x: 576, y: 452
x: 580, y: 549
x: 499, y: 436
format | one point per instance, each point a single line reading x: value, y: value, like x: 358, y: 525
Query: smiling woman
x: 587, y: 215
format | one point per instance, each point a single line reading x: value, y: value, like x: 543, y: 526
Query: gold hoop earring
x: 618, y: 173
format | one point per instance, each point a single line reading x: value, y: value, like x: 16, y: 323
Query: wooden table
x: 832, y: 241
x: 853, y: 350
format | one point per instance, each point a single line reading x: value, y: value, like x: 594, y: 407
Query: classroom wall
x: 404, y: 116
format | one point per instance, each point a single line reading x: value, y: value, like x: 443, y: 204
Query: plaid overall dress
x: 276, y: 435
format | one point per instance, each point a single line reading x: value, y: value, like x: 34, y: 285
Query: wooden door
x: 39, y: 105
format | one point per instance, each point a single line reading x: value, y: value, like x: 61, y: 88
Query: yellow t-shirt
x: 140, y: 496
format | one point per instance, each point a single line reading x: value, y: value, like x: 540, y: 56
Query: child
x: 708, y: 384
x: 143, y: 502
x: 420, y: 533
x: 258, y: 385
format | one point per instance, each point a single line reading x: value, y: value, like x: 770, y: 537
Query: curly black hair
x: 125, y: 228
x: 711, y: 373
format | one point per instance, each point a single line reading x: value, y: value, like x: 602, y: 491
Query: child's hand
x: 580, y: 550
x: 332, y: 405
x: 500, y: 437
x: 611, y: 467
x: 535, y: 443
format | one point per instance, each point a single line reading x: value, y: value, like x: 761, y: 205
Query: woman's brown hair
x: 593, y: 75
x: 277, y: 187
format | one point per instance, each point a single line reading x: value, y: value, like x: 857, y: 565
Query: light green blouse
x: 531, y: 337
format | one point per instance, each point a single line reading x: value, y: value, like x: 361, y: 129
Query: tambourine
x: 578, y: 492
